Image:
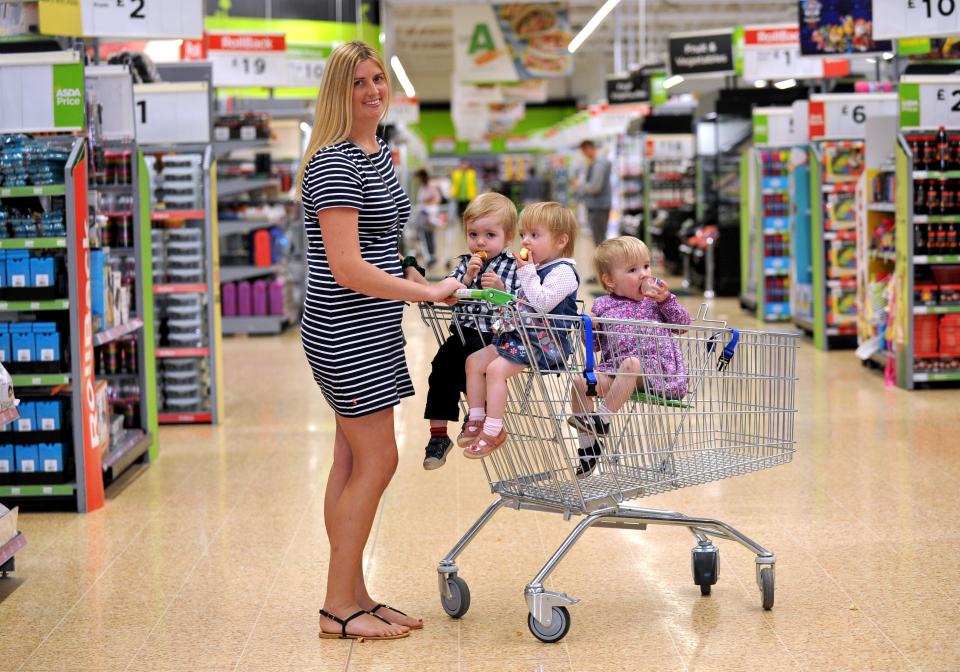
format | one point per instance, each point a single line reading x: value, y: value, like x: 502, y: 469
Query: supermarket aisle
x: 212, y: 558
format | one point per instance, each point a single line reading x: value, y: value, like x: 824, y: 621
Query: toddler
x: 548, y: 283
x: 630, y: 357
x: 490, y: 225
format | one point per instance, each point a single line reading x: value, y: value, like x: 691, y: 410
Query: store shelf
x: 237, y: 273
x: 33, y: 243
x: 238, y: 227
x: 132, y: 445
x: 60, y: 490
x: 803, y: 322
x: 10, y: 548
x: 235, y: 187
x: 20, y: 306
x: 936, y: 310
x: 936, y: 175
x: 225, y: 147
x: 185, y: 418
x: 936, y: 219
x: 749, y: 301
x: 952, y: 376
x: 45, y: 190
x: 118, y: 331
x: 189, y: 288
x: 8, y: 415
x: 840, y: 187
x: 112, y: 187
x: 884, y: 256
x: 40, y: 379
x: 932, y: 259
x: 166, y: 215
x: 267, y: 324
x: 168, y: 353
x: 882, y: 207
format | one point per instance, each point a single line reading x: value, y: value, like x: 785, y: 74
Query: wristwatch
x: 412, y: 262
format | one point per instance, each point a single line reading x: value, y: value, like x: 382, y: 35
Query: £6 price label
x: 845, y: 116
x: 915, y: 18
x: 142, y: 18
x: 248, y: 59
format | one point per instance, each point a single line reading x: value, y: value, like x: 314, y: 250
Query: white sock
x: 492, y: 426
x: 604, y: 412
x: 586, y: 440
x: 477, y: 413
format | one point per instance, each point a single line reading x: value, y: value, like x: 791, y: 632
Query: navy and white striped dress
x: 354, y: 342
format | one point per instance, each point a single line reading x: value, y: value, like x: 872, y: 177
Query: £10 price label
x: 915, y: 18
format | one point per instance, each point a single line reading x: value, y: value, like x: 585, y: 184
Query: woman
x: 428, y: 214
x: 354, y: 211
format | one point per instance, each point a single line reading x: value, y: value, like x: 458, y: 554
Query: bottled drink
x: 948, y: 197
x: 935, y: 239
x: 943, y: 151
x: 930, y: 153
x: 920, y: 239
x: 933, y: 198
x: 951, y: 239
x: 919, y: 197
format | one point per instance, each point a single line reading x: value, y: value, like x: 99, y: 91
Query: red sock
x: 438, y: 431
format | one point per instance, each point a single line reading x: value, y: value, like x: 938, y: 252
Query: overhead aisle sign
x: 122, y: 18
x: 844, y: 116
x: 248, y: 59
x: 915, y: 18
x: 930, y: 101
x: 41, y: 92
x: 703, y: 54
x: 773, y: 52
x: 172, y: 113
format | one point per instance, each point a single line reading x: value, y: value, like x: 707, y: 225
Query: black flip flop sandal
x: 373, y: 612
x: 342, y: 622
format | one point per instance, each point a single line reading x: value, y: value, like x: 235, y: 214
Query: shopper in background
x: 428, y: 217
x: 534, y: 189
x: 595, y: 192
x: 463, y: 186
x: 490, y: 225
x: 354, y: 210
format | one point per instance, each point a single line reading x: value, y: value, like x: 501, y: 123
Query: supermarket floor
x: 213, y: 557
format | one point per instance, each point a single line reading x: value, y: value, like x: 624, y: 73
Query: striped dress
x: 354, y: 342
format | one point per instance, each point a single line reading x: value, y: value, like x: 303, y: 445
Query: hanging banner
x: 842, y: 116
x: 773, y: 52
x: 915, y: 18
x: 930, y: 101
x: 111, y: 87
x: 839, y: 27
x: 248, y: 59
x: 528, y: 91
x: 172, y: 113
x: 631, y: 88
x: 122, y: 18
x: 511, y: 42
x: 42, y: 91
x: 305, y: 64
x: 707, y: 53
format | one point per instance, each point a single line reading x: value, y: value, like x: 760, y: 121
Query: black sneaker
x: 589, y: 424
x: 436, y: 453
x: 588, y: 459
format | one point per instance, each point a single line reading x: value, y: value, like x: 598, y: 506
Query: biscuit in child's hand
x: 524, y: 253
x: 482, y: 254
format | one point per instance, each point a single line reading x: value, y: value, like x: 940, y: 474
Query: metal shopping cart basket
x: 711, y: 402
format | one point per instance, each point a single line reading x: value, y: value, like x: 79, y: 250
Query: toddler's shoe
x: 485, y: 444
x: 588, y: 459
x: 471, y: 429
x: 436, y: 453
x: 589, y: 424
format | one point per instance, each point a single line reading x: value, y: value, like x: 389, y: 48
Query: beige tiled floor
x: 212, y: 558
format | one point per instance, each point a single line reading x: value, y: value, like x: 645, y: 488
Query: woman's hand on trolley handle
x: 444, y: 290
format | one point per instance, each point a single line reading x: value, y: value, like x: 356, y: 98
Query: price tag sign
x: 248, y: 59
x: 844, y: 116
x: 773, y: 52
x: 929, y: 101
x: 122, y: 18
x: 41, y: 92
x: 172, y: 113
x: 305, y: 64
x: 915, y: 18
x: 111, y: 87
x: 404, y: 110
x: 774, y: 127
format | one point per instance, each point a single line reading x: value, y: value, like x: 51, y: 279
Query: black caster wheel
x: 766, y: 587
x: 706, y: 569
x: 559, y: 626
x: 459, y: 601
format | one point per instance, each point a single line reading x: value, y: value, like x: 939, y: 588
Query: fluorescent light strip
x: 671, y: 82
x: 592, y: 24
x: 402, y: 76
x: 786, y: 84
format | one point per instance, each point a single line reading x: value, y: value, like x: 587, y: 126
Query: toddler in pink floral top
x: 631, y: 357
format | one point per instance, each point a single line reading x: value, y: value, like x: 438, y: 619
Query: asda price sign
x: 930, y: 101
x: 844, y: 116
x: 122, y: 18
x: 41, y: 92
x: 248, y: 59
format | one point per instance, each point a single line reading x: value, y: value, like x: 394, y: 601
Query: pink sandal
x: 484, y: 445
x: 470, y: 431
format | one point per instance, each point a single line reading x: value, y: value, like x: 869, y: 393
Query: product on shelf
x: 247, y: 126
x: 31, y: 161
x: 938, y: 151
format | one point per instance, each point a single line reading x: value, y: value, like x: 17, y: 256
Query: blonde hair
x: 495, y: 205
x: 555, y: 218
x: 617, y: 251
x: 333, y: 118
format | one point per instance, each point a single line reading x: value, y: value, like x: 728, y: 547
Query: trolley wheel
x: 766, y: 587
x: 706, y: 569
x: 559, y: 626
x: 459, y: 601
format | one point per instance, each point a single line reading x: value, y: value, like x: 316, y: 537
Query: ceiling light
x: 305, y: 127
x: 383, y: 37
x: 592, y: 24
x: 671, y: 82
x: 760, y: 84
x: 402, y: 76
x: 871, y: 60
x: 786, y: 84
x: 888, y: 56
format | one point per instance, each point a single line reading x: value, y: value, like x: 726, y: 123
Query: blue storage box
x: 4, y: 342
x: 27, y: 458
x: 48, y: 415
x: 51, y: 456
x: 42, y: 272
x: 7, y: 464
x: 18, y: 268
x: 3, y: 268
x: 97, y: 285
x: 22, y: 343
x: 46, y: 342
x: 27, y: 422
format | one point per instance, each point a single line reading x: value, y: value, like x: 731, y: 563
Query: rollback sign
x: 702, y: 53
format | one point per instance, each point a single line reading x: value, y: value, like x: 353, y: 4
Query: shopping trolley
x: 711, y: 402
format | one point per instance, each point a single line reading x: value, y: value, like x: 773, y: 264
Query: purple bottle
x: 260, y: 297
x: 244, y: 299
x: 229, y: 291
x: 277, y: 288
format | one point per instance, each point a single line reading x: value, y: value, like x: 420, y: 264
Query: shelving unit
x: 669, y: 191
x: 630, y: 180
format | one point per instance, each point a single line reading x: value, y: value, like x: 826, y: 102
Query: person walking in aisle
x: 354, y: 212
x: 595, y: 191
x: 463, y: 186
x: 427, y: 218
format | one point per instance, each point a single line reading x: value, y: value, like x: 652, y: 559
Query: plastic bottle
x: 229, y: 299
x: 260, y: 297
x: 261, y: 248
x: 943, y: 151
x: 244, y: 299
x: 277, y: 291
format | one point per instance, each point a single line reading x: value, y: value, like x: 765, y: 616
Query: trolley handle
x: 494, y: 296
